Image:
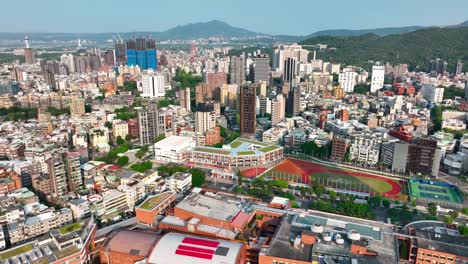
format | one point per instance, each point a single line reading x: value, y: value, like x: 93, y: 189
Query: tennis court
x: 435, y: 191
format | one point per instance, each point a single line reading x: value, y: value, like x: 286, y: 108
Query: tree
x: 432, y: 208
x: 119, y: 140
x: 453, y: 214
x: 108, y: 124
x: 122, y: 161
x: 465, y: 211
x: 319, y: 190
x: 88, y: 108
x: 386, y: 203
x: 333, y: 195
x: 375, y: 201
x: 463, y: 229
x: 294, y: 204
x: 448, y: 220
x: 361, y: 88
x: 142, y: 167
x: 198, y: 177
x: 129, y: 137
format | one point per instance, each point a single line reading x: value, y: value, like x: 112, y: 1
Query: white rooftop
x: 177, y: 248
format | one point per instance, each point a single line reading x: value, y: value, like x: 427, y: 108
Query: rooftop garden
x: 71, y: 227
x: 249, y: 152
x: 16, y: 251
x: 213, y: 150
x: 251, y: 142
x: 66, y: 252
x: 150, y: 203
x: 269, y: 148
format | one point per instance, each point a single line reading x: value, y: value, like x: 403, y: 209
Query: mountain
x: 377, y: 31
x: 415, y: 48
x: 214, y: 28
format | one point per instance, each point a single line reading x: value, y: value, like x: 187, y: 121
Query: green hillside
x: 414, y: 48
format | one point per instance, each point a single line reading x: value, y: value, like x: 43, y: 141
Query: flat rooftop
x: 215, y: 207
x: 151, y: 202
x: 241, y: 147
x: 132, y: 242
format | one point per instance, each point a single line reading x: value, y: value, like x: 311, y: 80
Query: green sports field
x: 435, y: 192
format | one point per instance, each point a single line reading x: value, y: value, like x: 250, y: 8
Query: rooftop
x: 132, y: 242
x: 241, y: 147
x: 155, y: 200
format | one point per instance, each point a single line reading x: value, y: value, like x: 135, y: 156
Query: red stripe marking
x: 193, y: 254
x: 200, y: 242
x: 195, y: 249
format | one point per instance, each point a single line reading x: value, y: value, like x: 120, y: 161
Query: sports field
x: 438, y: 192
x: 310, y: 172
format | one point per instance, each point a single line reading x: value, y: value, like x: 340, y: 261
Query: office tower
x: 277, y: 109
x: 432, y: 93
x: 261, y: 68
x: 347, y: 80
x: 423, y: 157
x: 378, y: 77
x: 289, y: 70
x: 184, y: 95
x: 248, y: 116
x: 152, y: 85
x: 201, y: 93
x: 204, y: 120
x: 142, y: 52
x: 237, y: 70
x: 438, y: 66
x: 73, y: 171
x: 152, y: 124
x: 459, y: 69
x: 265, y: 105
x: 288, y: 51
x: 83, y: 64
x: 214, y: 80
x: 58, y: 176
x: 263, y: 88
x: 77, y: 106
x: 50, y: 79
x: 293, y: 102
x: 28, y: 52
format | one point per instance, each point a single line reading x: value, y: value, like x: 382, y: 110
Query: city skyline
x: 264, y: 18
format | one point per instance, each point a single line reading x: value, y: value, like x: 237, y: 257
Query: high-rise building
x: 265, y: 105
x: 204, y: 121
x: 151, y: 124
x: 184, y: 95
x: 466, y: 89
x: 347, y: 80
x: 201, y: 93
x: 263, y: 88
x: 237, y: 70
x: 248, y: 121
x: 142, y: 52
x: 288, y: 51
x: 432, y: 93
x: 152, y: 85
x: 290, y: 71
x: 215, y: 80
x: 339, y: 148
x: 73, y: 171
x: 49, y: 77
x: 77, y: 106
x: 278, y: 107
x: 338, y: 92
x: 378, y: 78
x: 293, y: 102
x: 28, y: 52
x: 58, y: 176
x: 438, y: 66
x: 459, y: 69
x: 424, y: 157
x: 261, y: 68
x: 120, y: 53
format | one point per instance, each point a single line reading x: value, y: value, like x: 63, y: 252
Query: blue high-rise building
x: 142, y: 52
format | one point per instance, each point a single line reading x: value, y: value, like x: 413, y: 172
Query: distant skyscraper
x: 459, y: 69
x: 201, y: 93
x: 77, y: 106
x: 347, y: 79
x: 142, y: 52
x: 248, y: 122
x: 261, y: 71
x: 293, y: 102
x: 120, y: 53
x: 290, y: 71
x: 153, y: 85
x: 215, y: 80
x: 152, y: 124
x: 50, y: 79
x: 288, y: 51
x: 277, y: 109
x: 237, y: 70
x: 378, y: 78
x: 184, y: 95
x: 28, y: 52
x: 438, y: 66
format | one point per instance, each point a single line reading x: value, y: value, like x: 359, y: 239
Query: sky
x: 291, y: 17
